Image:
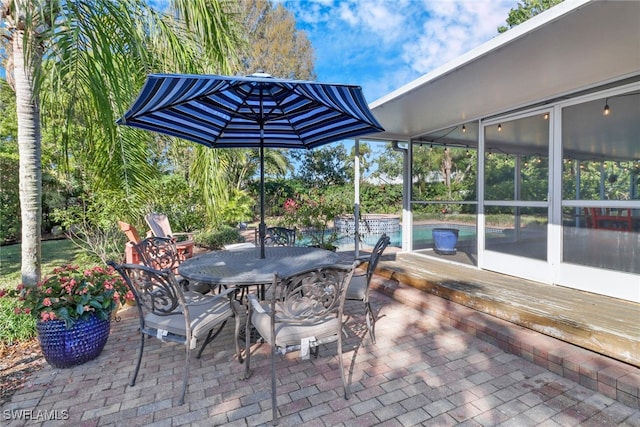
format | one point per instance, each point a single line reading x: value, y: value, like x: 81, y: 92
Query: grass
x: 54, y: 254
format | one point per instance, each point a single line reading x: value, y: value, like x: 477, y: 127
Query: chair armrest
x: 207, y: 299
x: 188, y: 234
x: 359, y: 260
x: 255, y: 304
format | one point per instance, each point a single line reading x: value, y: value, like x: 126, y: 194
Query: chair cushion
x: 203, y: 316
x: 290, y: 333
x: 198, y: 287
x: 357, y: 287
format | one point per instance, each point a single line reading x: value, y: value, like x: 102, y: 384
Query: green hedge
x: 216, y: 239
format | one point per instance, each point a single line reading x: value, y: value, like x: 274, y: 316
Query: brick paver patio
x: 421, y: 372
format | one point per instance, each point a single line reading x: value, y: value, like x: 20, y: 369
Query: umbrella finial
x: 262, y: 74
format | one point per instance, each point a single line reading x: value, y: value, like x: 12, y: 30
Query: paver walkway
x: 420, y: 372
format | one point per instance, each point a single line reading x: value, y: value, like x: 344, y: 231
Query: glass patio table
x: 244, y: 268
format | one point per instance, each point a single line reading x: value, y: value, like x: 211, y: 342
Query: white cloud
x: 453, y: 28
x: 380, y: 18
x: 384, y: 44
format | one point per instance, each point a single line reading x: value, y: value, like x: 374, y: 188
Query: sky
x: 382, y: 45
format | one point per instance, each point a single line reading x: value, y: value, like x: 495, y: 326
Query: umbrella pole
x: 356, y: 202
x: 262, y: 229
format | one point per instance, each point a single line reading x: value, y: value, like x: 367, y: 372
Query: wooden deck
x: 604, y: 325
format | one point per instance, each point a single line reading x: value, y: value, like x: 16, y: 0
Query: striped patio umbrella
x: 257, y: 111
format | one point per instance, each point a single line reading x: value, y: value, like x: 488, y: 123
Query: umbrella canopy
x: 256, y: 111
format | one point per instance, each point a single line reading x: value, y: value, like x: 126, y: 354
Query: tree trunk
x: 30, y: 161
x: 447, y: 165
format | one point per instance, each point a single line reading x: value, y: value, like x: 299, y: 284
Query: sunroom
x: 544, y: 122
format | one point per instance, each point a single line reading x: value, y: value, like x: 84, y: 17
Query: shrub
x: 15, y: 327
x: 216, y: 239
x: 9, y: 199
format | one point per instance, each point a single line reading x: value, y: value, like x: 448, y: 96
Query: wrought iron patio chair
x: 280, y: 236
x: 358, y: 289
x: 165, y: 313
x: 161, y: 253
x: 305, y: 310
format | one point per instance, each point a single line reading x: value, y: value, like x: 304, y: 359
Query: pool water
x: 422, y: 236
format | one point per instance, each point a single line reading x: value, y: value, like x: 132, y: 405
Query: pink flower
x: 69, y: 292
x: 290, y: 206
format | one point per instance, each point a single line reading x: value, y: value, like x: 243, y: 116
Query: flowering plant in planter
x: 70, y: 295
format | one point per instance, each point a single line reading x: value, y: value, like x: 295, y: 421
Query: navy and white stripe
x: 224, y: 112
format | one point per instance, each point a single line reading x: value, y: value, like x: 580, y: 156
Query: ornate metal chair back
x: 159, y: 253
x: 310, y: 296
x: 280, y: 236
x: 155, y: 291
x: 376, y: 254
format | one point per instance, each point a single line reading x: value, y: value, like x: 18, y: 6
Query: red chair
x: 604, y: 220
x: 131, y: 255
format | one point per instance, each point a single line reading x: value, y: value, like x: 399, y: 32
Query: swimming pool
x: 422, y: 237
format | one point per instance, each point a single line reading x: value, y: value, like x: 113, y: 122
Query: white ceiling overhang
x: 572, y: 47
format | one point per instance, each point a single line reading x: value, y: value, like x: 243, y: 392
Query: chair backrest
x: 606, y: 220
x: 159, y: 253
x: 588, y: 217
x: 310, y: 296
x: 280, y: 236
x: 380, y: 246
x: 130, y: 231
x: 159, y: 224
x: 156, y: 292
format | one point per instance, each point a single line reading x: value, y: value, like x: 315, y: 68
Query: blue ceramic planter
x: 444, y: 240
x: 63, y: 348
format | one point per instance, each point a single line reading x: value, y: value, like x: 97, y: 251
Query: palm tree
x: 223, y: 175
x: 97, y: 51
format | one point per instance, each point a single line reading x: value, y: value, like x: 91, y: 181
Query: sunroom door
x: 513, y: 229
